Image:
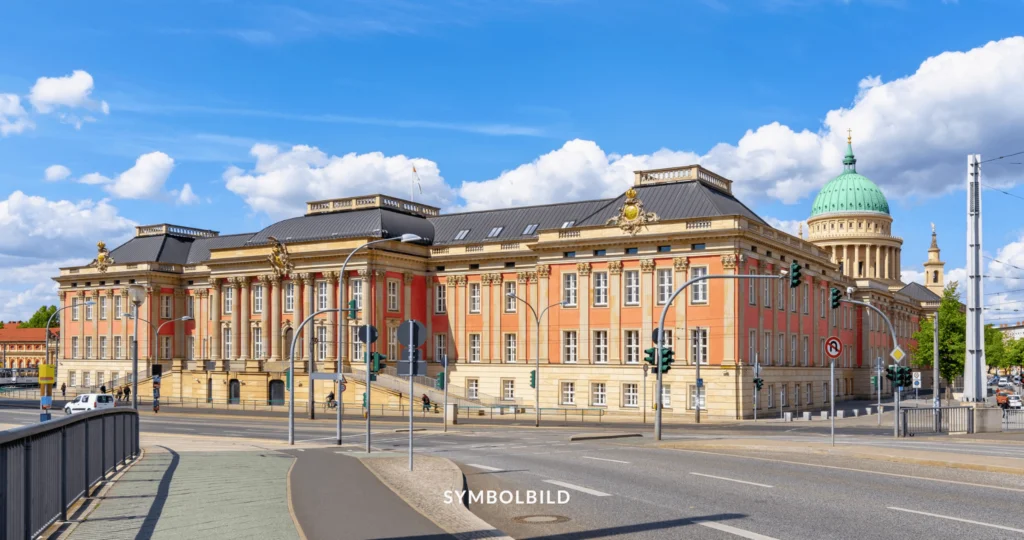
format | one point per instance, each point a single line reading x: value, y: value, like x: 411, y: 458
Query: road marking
x: 733, y: 530
x: 181, y: 428
x: 603, y: 459
x: 484, y: 467
x: 956, y: 519
x: 802, y: 464
x: 588, y: 491
x: 730, y: 479
x: 311, y: 440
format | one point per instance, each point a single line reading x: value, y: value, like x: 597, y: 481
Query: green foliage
x: 952, y: 337
x: 40, y: 317
x: 995, y: 348
x: 1014, y: 352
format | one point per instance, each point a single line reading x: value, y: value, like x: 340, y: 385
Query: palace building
x: 599, y: 272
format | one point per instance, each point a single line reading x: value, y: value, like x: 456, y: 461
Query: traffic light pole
x: 291, y: 371
x: 661, y: 339
x: 757, y: 373
x: 892, y: 332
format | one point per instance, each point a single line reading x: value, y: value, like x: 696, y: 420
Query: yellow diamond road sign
x: 897, y: 354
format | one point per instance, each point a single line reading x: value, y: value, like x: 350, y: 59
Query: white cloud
x: 37, y: 227
x: 71, y: 91
x: 13, y: 117
x: 791, y: 226
x: 145, y: 180
x: 281, y: 182
x: 910, y: 135
x: 56, y: 173
x: 186, y: 195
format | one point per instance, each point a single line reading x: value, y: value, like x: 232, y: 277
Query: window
x: 600, y: 253
x: 699, y: 346
x: 782, y: 296
x: 117, y: 347
x: 699, y: 290
x: 825, y: 392
x: 72, y: 378
x: 393, y: 341
x: 821, y: 303
x: 808, y: 394
x: 88, y: 347
x: 664, y: 285
x: 510, y: 298
x: 771, y: 396
x: 632, y: 346
x: 666, y: 395
x: 767, y: 359
x: 441, y: 299
x: 321, y: 295
x: 796, y: 394
x: 229, y: 297
x: 289, y: 297
x: 792, y: 300
x: 165, y: 347
x: 321, y: 343
x: 166, y: 309
x: 508, y: 389
x: 494, y: 232
x: 632, y: 288
x: 569, y: 349
x: 568, y: 393
x: 392, y: 295
x: 834, y: 318
x: 600, y: 346
x: 767, y: 293
x: 190, y: 347
x: 103, y: 347
x: 600, y: 288
x: 792, y: 350
x: 807, y: 291
x: 74, y: 309
x: 87, y: 378
x: 781, y: 359
x: 103, y: 308
x: 631, y: 251
x: 358, y: 351
x: 257, y: 299
x: 474, y: 298
x: 190, y: 306
x: 531, y: 228
x: 117, y: 307
x: 510, y: 348
x: 697, y: 247
x: 598, y: 394
x: 751, y: 292
x: 510, y: 264
x: 664, y: 249
x: 567, y: 224
x: 440, y: 347
x: 473, y: 387
x: 751, y: 346
x: 257, y: 342
x: 805, y: 357
x: 461, y: 235
x: 698, y: 393
x: 569, y: 289
x: 357, y: 292
x: 474, y: 347
x: 226, y: 342
x: 630, y: 395
x: 782, y: 395
x: 89, y: 311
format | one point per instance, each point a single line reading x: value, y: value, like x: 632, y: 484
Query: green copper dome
x: 849, y: 192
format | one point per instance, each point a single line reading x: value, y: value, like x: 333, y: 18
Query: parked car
x: 1004, y: 382
x: 1014, y: 402
x: 88, y: 402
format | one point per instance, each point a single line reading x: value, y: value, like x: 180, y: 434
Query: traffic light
x: 666, y: 359
x: 837, y: 295
x: 351, y: 309
x: 794, y: 275
x: 377, y: 362
x: 440, y: 381
x: 533, y: 378
x: 892, y: 375
x: 758, y: 383
x: 650, y: 356
x: 906, y: 376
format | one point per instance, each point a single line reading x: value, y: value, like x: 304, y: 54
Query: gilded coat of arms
x: 103, y: 258
x: 279, y: 258
x: 632, y: 216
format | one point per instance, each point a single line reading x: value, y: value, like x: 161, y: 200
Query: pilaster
x: 486, y: 312
x: 215, y: 327
x: 543, y: 279
x: 615, y: 355
x: 585, y: 334
x: 275, y: 306
x: 647, y: 299
x: 330, y: 361
x: 461, y: 308
x: 527, y: 353
x: 729, y: 337
x: 110, y: 323
x: 245, y: 325
x: 681, y: 265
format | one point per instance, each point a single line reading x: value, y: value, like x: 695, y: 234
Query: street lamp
x: 536, y: 382
x: 406, y: 238
x: 50, y: 320
x: 136, y: 294
x: 156, y: 336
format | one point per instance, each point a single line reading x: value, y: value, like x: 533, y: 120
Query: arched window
x: 935, y: 276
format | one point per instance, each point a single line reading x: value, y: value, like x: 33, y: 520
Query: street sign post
x: 411, y: 334
x: 833, y: 347
x: 897, y: 354
x: 367, y: 334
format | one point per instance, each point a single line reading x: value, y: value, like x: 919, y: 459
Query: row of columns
x: 880, y: 262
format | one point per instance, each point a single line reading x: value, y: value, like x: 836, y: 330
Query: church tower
x: 934, y: 279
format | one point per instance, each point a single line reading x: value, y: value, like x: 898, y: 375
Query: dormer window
x: 531, y: 228
x: 568, y: 224
x: 461, y: 235
x: 495, y: 232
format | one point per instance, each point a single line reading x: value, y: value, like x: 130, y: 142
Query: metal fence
x: 936, y: 420
x: 1013, y: 419
x: 46, y: 467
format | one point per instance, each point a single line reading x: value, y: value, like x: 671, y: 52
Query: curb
x: 603, y: 436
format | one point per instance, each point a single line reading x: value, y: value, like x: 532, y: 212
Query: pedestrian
x: 127, y: 393
x: 63, y: 390
x: 426, y: 403
x: 120, y: 393
x: 103, y: 389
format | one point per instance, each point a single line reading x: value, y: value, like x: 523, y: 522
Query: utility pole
x: 974, y: 370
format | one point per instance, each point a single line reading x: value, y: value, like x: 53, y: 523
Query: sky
x: 230, y: 115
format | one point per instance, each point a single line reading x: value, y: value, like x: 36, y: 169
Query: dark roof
x: 677, y: 200
x: 513, y: 220
x: 164, y: 249
x: 201, y: 247
x: 370, y: 222
x: 920, y: 293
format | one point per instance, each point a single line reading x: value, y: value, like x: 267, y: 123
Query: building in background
x: 24, y: 347
x: 1012, y: 330
x: 610, y: 263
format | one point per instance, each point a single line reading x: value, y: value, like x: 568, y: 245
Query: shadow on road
x: 162, y: 491
x: 639, y: 527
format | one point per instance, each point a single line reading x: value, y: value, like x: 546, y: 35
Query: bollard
x: 824, y: 415
x: 840, y: 413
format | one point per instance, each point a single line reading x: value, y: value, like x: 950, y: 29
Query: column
x: 615, y: 310
x: 681, y: 265
x: 94, y: 295
x: 543, y: 277
x: 526, y: 351
x: 179, y: 326
x: 110, y: 324
x: 153, y: 343
x: 331, y: 359
x: 497, y: 308
x: 268, y: 308
x: 274, y: 332
x: 245, y: 326
x: 428, y: 345
x: 308, y: 300
x: 126, y: 307
x: 380, y: 308
x: 857, y: 261
x: 215, y: 326
x: 236, y: 320
x: 647, y: 299
x: 845, y: 260
x: 201, y: 313
x: 461, y: 309
x: 585, y: 351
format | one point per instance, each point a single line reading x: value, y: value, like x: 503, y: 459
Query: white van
x: 88, y: 402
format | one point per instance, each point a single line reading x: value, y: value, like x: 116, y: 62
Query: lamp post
x: 408, y: 237
x: 156, y: 334
x: 47, y: 346
x: 536, y: 317
x: 136, y: 294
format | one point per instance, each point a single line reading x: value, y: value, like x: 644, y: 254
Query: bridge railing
x: 936, y: 420
x: 47, y: 467
x: 1013, y: 419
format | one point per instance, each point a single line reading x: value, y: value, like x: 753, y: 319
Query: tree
x: 995, y: 348
x: 1015, y: 353
x: 952, y: 338
x: 39, y: 318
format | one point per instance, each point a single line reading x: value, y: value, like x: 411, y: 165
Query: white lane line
x: 956, y: 519
x: 181, y: 428
x: 588, y: 491
x: 733, y: 530
x: 311, y: 440
x: 604, y: 459
x: 731, y: 480
x: 484, y: 467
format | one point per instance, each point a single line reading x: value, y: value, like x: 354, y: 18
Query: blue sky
x: 494, y: 101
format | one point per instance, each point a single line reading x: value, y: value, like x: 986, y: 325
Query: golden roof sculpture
x: 632, y: 216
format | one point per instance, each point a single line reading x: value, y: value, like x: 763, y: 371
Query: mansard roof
x: 920, y: 293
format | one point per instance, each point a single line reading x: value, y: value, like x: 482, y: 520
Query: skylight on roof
x: 568, y: 224
x: 495, y: 232
x: 461, y: 234
x: 531, y: 228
